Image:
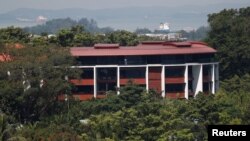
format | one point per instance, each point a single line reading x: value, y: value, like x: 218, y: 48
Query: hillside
x: 55, y: 25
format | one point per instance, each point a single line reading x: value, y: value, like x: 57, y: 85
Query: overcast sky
x: 8, y: 5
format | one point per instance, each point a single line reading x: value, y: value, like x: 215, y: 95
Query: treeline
x: 71, y: 37
x: 55, y: 25
x: 197, y: 35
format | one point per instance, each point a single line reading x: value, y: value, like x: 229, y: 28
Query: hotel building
x: 173, y: 69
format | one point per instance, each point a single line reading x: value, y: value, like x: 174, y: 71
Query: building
x: 173, y: 69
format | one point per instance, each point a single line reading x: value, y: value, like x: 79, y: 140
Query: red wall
x: 82, y: 82
x: 174, y: 80
x: 154, y: 78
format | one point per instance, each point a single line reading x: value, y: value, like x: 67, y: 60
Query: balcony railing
x: 124, y: 81
x: 106, y: 80
x: 174, y: 80
x: 82, y: 82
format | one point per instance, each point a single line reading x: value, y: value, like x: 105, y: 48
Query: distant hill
x: 128, y: 18
x: 53, y: 26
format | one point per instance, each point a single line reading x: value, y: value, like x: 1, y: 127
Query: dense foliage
x: 198, y: 34
x: 76, y: 36
x: 12, y: 34
x: 229, y: 34
x: 138, y: 115
x: 32, y: 79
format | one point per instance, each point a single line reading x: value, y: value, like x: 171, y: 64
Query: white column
x: 216, y: 77
x: 163, y: 81
x: 213, y: 78
x: 147, y: 87
x: 95, y: 83
x: 118, y: 80
x: 186, y: 81
x: 197, y: 82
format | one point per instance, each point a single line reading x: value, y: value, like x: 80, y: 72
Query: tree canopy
x: 32, y: 80
x: 229, y: 34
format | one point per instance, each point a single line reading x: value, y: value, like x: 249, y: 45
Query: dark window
x: 107, y: 73
x: 86, y: 61
x: 207, y: 87
x: 200, y: 58
x: 173, y: 59
x: 206, y: 70
x: 107, y: 79
x: 134, y: 60
x: 83, y: 89
x: 108, y: 60
x: 107, y: 86
x: 175, y: 87
x: 154, y: 59
x: 150, y: 59
x: 190, y: 86
x: 87, y: 73
x: 132, y: 72
x: 174, y: 71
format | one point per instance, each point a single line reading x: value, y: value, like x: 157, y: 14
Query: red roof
x: 4, y: 57
x: 146, y: 48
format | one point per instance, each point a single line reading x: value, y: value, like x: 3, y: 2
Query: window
x: 83, y: 90
x: 175, y: 87
x: 132, y: 72
x: 174, y: 71
x: 87, y: 73
x: 173, y: 59
x: 132, y: 60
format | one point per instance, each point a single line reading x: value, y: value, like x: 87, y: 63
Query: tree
x: 124, y: 38
x: 76, y: 36
x: 31, y: 82
x: 229, y: 34
x: 65, y: 37
x: 84, y: 39
x: 13, y: 34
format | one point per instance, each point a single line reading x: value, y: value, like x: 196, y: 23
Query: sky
x: 8, y: 5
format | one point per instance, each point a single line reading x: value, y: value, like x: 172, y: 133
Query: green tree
x: 229, y: 34
x: 84, y: 39
x: 65, y: 37
x: 31, y: 82
x: 13, y: 34
x: 124, y: 38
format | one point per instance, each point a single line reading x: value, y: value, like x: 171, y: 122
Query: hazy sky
x: 8, y: 5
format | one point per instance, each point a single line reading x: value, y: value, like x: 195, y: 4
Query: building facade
x: 173, y: 69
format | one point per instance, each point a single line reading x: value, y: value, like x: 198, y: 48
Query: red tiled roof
x: 4, y: 57
x: 164, y: 48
